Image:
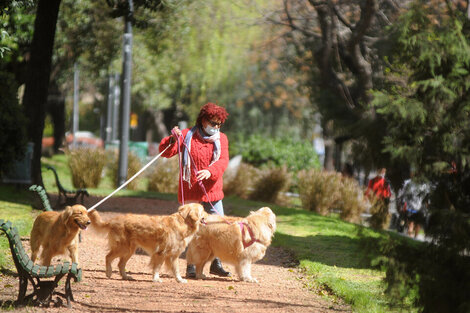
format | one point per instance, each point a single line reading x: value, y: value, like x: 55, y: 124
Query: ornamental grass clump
x: 351, y: 202
x: 164, y: 176
x: 271, y: 185
x: 325, y: 192
x: 240, y: 182
x: 133, y: 166
x: 319, y: 190
x: 86, y: 166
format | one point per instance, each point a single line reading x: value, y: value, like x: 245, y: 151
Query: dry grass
x: 164, y: 176
x: 86, y: 166
x: 133, y: 166
x: 240, y: 182
x: 270, y: 185
x: 323, y: 192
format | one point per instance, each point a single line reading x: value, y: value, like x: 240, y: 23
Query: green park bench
x: 43, y: 289
x: 66, y: 196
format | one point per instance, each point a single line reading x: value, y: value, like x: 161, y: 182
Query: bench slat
x: 35, y: 270
x: 65, y: 267
x: 58, y: 269
x: 50, y: 271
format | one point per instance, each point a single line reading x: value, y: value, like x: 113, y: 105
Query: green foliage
x: 164, y: 176
x: 259, y: 151
x: 86, y: 166
x: 324, y: 192
x: 428, y: 126
x: 12, y: 123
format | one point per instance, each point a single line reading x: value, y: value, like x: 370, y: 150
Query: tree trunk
x: 37, y: 80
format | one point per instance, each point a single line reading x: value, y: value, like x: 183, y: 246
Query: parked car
x: 84, y: 139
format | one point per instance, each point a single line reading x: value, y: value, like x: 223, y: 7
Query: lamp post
x: 126, y: 95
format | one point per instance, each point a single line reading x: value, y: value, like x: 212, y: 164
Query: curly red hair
x: 210, y: 111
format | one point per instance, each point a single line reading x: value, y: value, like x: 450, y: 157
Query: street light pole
x: 126, y: 96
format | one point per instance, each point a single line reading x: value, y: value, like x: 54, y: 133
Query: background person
x: 208, y: 147
x: 379, y: 193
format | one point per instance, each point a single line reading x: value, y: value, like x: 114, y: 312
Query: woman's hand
x: 177, y: 131
x: 203, y: 174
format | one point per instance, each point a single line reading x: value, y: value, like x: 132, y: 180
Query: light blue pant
x: 218, y: 206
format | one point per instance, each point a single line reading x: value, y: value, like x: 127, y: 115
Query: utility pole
x: 75, y: 104
x: 126, y: 95
x: 109, y: 110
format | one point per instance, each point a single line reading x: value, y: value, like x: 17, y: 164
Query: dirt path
x: 279, y: 289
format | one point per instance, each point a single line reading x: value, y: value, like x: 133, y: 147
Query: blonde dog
x: 164, y: 238
x: 57, y: 232
x: 236, y: 241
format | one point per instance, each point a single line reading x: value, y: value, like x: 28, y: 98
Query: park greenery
x: 386, y: 81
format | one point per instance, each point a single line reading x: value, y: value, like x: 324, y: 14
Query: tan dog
x: 57, y: 232
x: 237, y: 241
x: 164, y: 238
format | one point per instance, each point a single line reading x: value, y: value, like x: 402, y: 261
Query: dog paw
x: 182, y: 281
x: 250, y: 279
x: 202, y: 276
x: 158, y: 280
x: 127, y: 277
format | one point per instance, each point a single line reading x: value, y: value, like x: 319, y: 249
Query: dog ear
x: 67, y: 213
x: 184, y: 210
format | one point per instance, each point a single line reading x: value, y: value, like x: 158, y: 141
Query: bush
x: 270, y: 185
x: 259, y: 151
x: 86, y: 166
x: 133, y: 166
x: 323, y: 192
x: 164, y: 176
x: 240, y: 183
x: 351, y: 201
x: 319, y: 191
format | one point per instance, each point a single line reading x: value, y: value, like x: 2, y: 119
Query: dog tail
x: 97, y: 223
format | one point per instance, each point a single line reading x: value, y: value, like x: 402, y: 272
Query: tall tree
x: 37, y: 79
x: 335, y: 47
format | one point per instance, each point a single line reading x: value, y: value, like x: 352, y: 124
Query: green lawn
x: 328, y: 250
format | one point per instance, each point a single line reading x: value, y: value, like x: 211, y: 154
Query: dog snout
x: 88, y: 222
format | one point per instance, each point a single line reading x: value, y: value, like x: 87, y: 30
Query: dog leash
x: 128, y: 181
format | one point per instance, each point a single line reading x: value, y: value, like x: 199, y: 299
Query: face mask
x: 211, y: 130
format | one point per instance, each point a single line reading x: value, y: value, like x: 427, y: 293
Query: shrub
x: 259, y: 150
x: 351, y: 201
x: 241, y: 182
x: 164, y: 176
x: 133, y: 166
x: 270, y: 185
x: 323, y: 192
x: 319, y: 191
x: 86, y: 166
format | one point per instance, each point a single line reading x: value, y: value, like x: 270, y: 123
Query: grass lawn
x: 328, y: 249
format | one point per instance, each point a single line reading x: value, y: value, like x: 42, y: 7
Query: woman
x: 205, y: 158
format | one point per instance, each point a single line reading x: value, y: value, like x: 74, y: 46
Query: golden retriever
x: 57, y: 232
x: 236, y: 241
x: 164, y: 238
